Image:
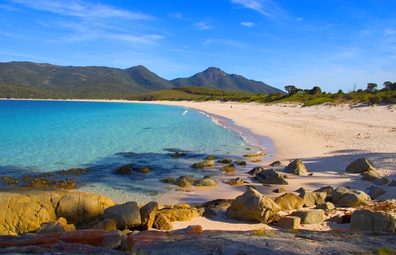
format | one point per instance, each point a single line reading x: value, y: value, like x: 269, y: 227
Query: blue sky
x: 333, y: 44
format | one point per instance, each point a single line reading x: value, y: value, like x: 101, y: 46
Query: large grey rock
x: 106, y: 224
x: 147, y: 214
x: 366, y: 220
x: 256, y: 170
x: 24, y: 209
x: 289, y: 201
x: 289, y: 222
x: 310, y: 217
x: 348, y: 197
x: 370, y: 176
x: 327, y: 189
x: 313, y: 198
x: 382, y: 181
x: 253, y: 206
x: 375, y: 192
x: 180, y: 213
x: 327, y: 206
x: 360, y: 165
x: 161, y: 222
x: 296, y: 167
x: 126, y: 215
x: 55, y: 226
x: 270, y: 176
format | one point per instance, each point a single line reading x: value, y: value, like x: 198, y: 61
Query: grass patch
x: 384, y: 251
x: 262, y: 232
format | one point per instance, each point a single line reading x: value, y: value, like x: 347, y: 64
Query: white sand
x: 325, y: 138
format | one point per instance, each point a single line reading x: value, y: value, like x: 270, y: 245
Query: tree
x: 371, y: 87
x: 291, y: 89
x: 315, y: 90
x: 387, y: 85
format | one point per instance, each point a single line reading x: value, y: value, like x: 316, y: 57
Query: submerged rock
x: 240, y: 162
x: 225, y: 161
x: 235, y: 182
x: 184, y: 181
x: 206, y: 163
x: 229, y: 168
x: 125, y: 169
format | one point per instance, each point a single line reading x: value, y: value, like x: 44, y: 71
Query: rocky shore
x: 55, y: 220
x: 327, y: 191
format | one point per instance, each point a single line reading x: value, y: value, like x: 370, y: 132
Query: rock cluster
x: 23, y: 209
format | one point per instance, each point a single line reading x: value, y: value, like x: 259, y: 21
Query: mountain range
x: 38, y: 80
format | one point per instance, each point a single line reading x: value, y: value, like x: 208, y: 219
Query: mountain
x: 217, y: 79
x: 36, y: 80
x: 149, y: 80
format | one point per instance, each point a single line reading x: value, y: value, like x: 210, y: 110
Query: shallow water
x: 45, y: 136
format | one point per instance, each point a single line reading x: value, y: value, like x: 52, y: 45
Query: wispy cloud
x: 208, y: 41
x: 7, y: 7
x: 247, y: 24
x: 177, y: 15
x: 299, y: 19
x: 148, y: 39
x: 390, y: 31
x: 81, y: 9
x: 202, y: 25
x: 268, y: 8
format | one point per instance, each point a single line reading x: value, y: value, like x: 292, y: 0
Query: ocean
x: 43, y: 136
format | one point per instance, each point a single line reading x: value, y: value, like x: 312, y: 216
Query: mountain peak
x: 214, y: 73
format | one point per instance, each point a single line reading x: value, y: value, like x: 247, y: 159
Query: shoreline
x: 326, y: 138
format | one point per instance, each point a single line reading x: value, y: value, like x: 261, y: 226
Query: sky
x: 333, y: 44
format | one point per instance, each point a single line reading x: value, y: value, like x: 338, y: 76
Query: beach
x: 326, y: 138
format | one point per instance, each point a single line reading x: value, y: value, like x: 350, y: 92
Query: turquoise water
x: 45, y: 136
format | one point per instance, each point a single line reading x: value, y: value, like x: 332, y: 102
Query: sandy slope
x: 325, y: 138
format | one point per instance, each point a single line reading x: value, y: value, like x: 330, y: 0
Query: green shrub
x: 317, y: 101
x: 374, y: 100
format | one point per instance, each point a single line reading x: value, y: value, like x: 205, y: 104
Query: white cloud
x: 247, y: 24
x: 147, y: 39
x: 390, y: 31
x: 266, y: 7
x: 299, y: 19
x: 82, y: 9
x: 202, y: 25
x: 208, y: 41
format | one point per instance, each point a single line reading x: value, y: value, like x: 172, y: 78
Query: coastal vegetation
x: 307, y: 97
x: 46, y: 81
